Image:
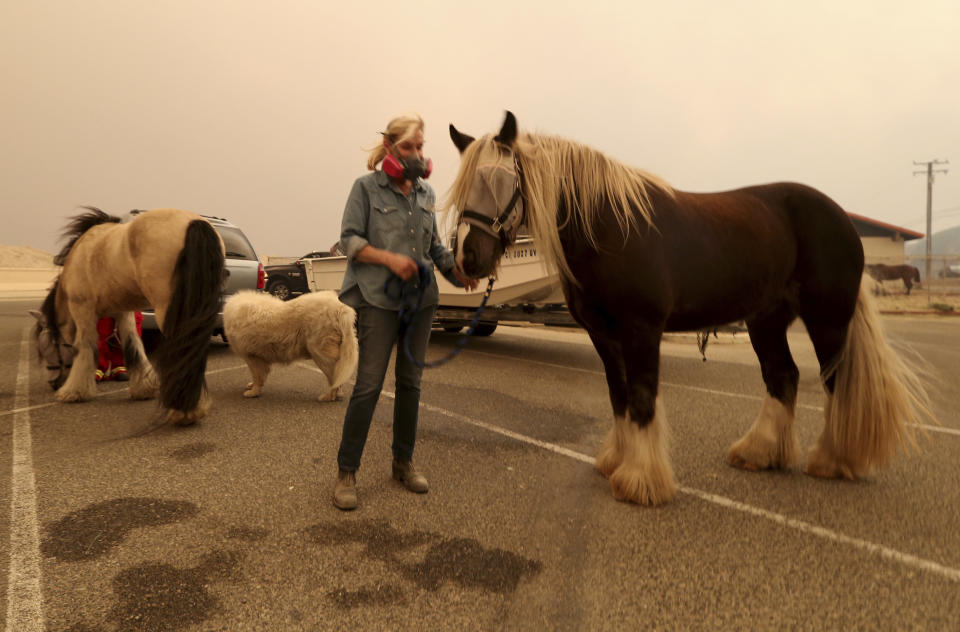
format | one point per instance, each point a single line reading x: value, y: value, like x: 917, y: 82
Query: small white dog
x: 264, y: 330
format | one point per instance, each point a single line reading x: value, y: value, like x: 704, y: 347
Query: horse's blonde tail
x: 877, y: 402
x: 347, y: 362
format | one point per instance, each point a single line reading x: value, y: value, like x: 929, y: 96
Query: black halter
x: 58, y: 345
x: 496, y: 223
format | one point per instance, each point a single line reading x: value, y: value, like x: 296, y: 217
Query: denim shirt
x: 378, y: 214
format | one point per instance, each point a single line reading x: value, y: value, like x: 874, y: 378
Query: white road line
x: 805, y: 527
x: 16, y: 409
x: 24, y: 594
x: 699, y: 389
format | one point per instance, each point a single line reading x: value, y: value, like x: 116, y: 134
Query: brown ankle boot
x: 404, y: 472
x: 345, y: 493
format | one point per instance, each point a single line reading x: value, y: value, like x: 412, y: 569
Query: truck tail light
x: 261, y: 277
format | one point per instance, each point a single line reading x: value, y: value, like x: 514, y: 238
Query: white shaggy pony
x: 264, y: 330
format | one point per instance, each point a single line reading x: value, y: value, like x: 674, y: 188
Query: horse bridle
x: 63, y: 363
x: 496, y: 224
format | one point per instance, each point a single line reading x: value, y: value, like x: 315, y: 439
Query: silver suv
x: 244, y: 272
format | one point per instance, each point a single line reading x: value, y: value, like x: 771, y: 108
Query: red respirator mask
x: 409, y: 168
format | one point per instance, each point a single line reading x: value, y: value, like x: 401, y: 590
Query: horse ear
x: 37, y: 315
x: 460, y: 140
x: 508, y: 133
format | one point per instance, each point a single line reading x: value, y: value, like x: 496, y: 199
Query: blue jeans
x: 378, y: 332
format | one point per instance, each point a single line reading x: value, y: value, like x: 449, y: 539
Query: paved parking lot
x: 229, y: 526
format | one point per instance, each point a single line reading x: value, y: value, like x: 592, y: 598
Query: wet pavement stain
x: 92, y: 531
x: 159, y: 598
x: 462, y: 561
x: 468, y: 564
x: 387, y: 595
x: 382, y: 541
x: 193, y: 451
x: 249, y: 534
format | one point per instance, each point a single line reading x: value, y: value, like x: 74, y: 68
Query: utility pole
x: 930, y: 171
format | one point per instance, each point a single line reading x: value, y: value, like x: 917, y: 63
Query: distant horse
x: 639, y: 258
x: 170, y: 260
x: 883, y: 272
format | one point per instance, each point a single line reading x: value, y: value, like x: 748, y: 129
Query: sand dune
x: 24, y: 257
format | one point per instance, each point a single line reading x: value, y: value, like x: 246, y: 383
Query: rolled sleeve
x: 356, y: 216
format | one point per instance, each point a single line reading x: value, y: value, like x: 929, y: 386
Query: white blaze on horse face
x: 462, y: 231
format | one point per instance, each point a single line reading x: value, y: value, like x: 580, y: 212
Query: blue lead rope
x: 411, y: 297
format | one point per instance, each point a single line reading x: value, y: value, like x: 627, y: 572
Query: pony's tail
x: 347, y: 362
x: 916, y: 275
x: 878, y: 401
x: 191, y: 318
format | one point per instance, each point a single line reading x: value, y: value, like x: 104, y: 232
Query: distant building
x: 882, y: 242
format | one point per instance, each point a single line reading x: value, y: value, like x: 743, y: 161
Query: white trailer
x: 524, y: 291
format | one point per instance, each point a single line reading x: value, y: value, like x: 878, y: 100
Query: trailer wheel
x: 484, y: 329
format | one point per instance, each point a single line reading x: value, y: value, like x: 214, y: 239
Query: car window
x: 236, y: 244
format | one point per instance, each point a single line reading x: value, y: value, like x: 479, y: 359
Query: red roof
x: 906, y: 232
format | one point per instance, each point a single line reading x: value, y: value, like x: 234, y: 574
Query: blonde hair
x: 398, y: 130
x: 554, y: 170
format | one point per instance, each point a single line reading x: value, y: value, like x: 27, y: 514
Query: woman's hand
x: 403, y: 266
x: 468, y: 283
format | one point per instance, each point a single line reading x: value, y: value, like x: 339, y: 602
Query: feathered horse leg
x: 81, y: 384
x: 143, y: 380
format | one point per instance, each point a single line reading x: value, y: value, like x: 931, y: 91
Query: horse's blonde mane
x: 559, y: 170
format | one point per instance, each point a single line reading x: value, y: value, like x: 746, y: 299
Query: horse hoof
x: 69, y: 397
x: 643, y: 486
x: 141, y: 393
x: 829, y: 470
x: 737, y: 461
x: 606, y: 469
x: 824, y: 463
x: 251, y: 393
x: 180, y: 418
x: 609, y: 458
x: 329, y: 397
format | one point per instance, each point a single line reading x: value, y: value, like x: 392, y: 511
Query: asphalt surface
x: 229, y: 525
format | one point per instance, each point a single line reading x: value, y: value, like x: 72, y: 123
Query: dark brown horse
x: 882, y: 272
x: 639, y: 258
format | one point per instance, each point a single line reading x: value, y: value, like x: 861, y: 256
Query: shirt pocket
x: 386, y: 224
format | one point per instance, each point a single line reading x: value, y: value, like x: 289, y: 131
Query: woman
x: 389, y: 230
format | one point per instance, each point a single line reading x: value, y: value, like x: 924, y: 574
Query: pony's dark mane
x: 79, y: 224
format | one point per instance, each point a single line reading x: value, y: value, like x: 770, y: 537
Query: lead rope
x: 406, y: 315
x: 703, y: 337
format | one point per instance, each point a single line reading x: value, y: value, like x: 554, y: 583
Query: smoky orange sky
x: 261, y: 112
